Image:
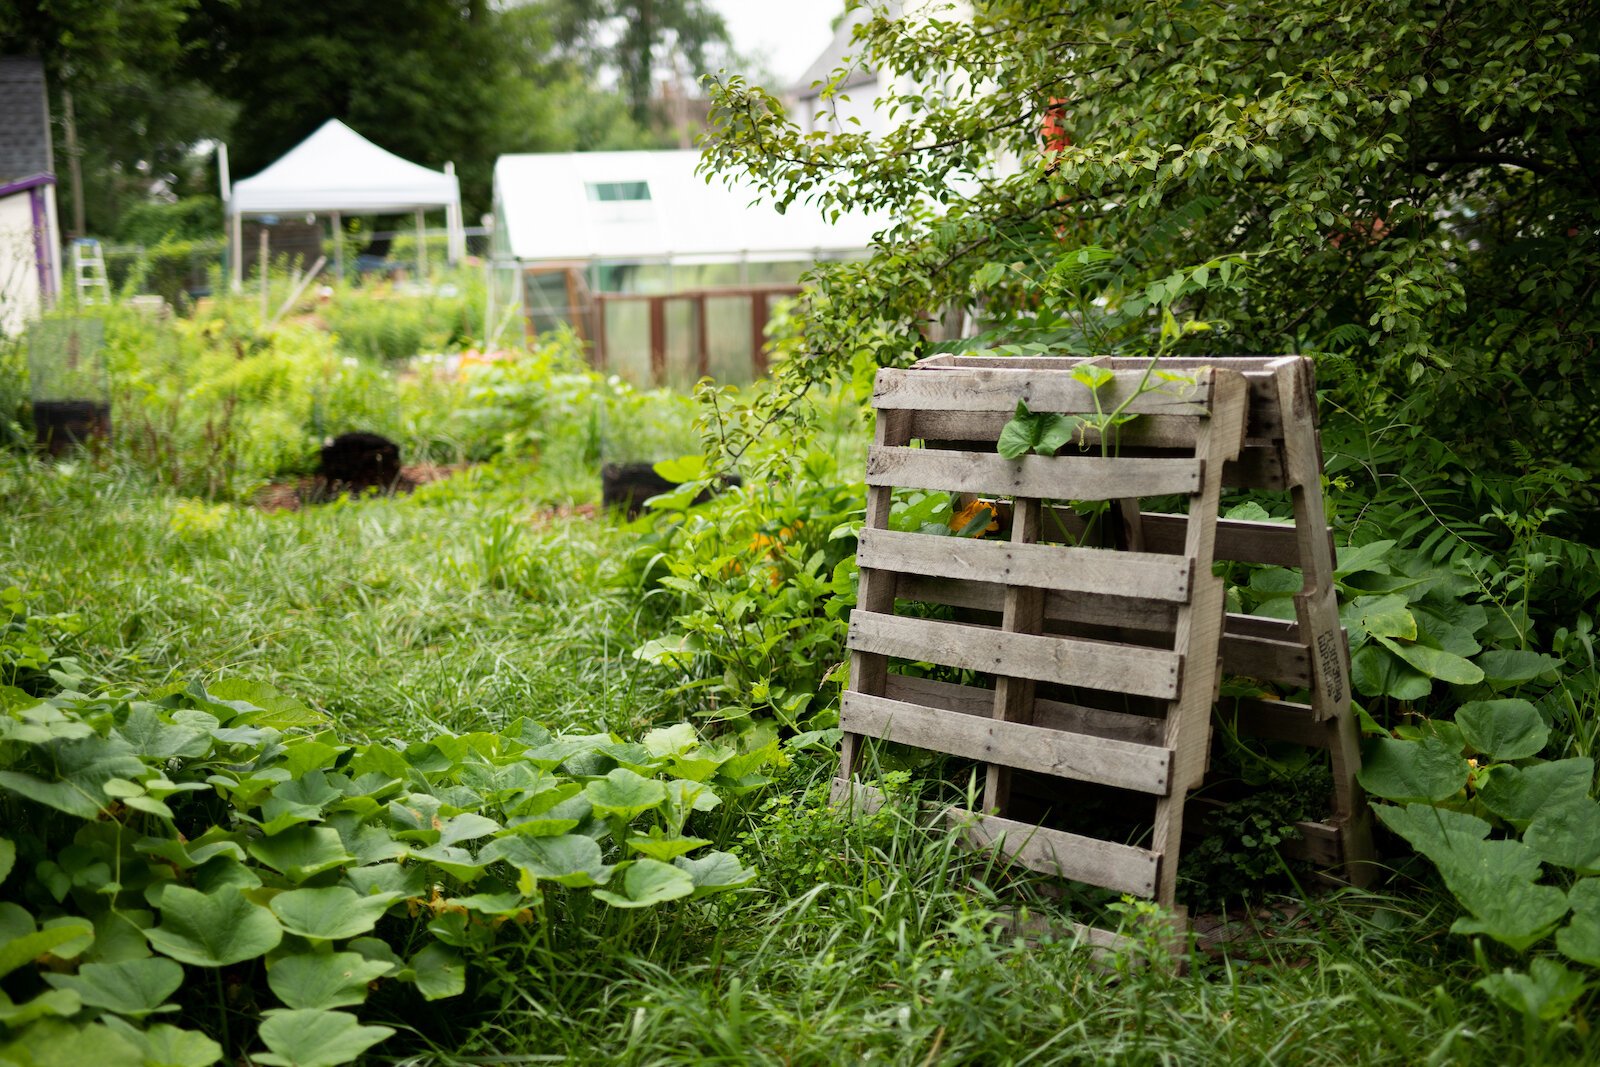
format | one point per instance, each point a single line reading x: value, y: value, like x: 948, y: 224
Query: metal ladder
x: 89, y: 271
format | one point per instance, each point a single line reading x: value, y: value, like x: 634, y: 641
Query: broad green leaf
x: 1545, y: 994
x: 213, y: 929
x: 1518, y: 794
x: 647, y: 882
x: 1435, y: 662
x: 1567, y: 834
x: 468, y: 826
x: 8, y: 857
x: 1375, y: 672
x: 301, y: 851
x: 163, y: 1045
x: 134, y: 988
x: 271, y: 707
x: 155, y: 740
x: 1502, y: 729
x: 1580, y: 938
x: 715, y: 872
x: 388, y: 880
x: 660, y: 847
x: 1056, y: 433
x: 1493, y: 880
x: 324, y: 979
x: 1411, y: 770
x: 61, y: 1003
x: 329, y: 914
x: 671, y: 740
x: 311, y: 1038
x: 54, y: 1043
x: 1506, y: 668
x: 571, y: 860
x: 1020, y: 434
x: 1353, y: 559
x: 82, y: 767
x: 371, y: 948
x: 439, y: 972
x: 1380, y: 616
x: 119, y: 936
x: 624, y: 794
x: 82, y: 934
x: 20, y: 951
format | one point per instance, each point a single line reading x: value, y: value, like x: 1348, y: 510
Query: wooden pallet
x: 1281, y: 452
x: 1147, y: 727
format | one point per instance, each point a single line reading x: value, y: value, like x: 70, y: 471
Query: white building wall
x: 20, y: 297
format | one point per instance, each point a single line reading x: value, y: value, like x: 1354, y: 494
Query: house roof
x: 337, y: 169
x: 550, y: 208
x: 844, y: 51
x: 24, y: 119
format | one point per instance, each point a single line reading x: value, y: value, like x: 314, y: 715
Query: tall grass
x: 388, y: 612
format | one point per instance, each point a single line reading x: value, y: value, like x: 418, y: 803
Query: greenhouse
x: 667, y: 275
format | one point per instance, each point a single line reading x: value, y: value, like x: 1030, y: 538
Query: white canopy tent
x: 337, y: 171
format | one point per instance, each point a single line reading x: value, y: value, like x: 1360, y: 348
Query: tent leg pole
x: 236, y: 253
x: 338, y: 247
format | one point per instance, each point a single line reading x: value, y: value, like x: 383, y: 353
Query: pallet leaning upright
x: 1086, y: 652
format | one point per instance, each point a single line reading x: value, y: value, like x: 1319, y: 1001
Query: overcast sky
x: 784, y: 35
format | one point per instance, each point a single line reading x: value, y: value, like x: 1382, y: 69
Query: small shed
x: 667, y: 275
x: 30, y: 238
x: 336, y: 172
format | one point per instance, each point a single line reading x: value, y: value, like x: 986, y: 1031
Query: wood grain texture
x: 1145, y: 576
x: 1124, y: 868
x: 1080, y: 757
x: 1050, y: 714
x: 1058, y: 477
x: 1093, y: 665
x: 1001, y: 388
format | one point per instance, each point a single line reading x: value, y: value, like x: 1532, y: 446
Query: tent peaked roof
x: 337, y: 169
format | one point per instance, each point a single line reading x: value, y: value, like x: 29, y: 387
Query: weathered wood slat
x: 1051, y: 714
x: 1091, y: 664
x: 1058, y: 607
x: 1059, y: 477
x: 1280, y: 720
x: 1081, y: 757
x: 1239, y: 540
x: 1124, y: 868
x: 999, y: 389
x: 1142, y: 575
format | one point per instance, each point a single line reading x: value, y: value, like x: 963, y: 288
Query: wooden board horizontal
x: 1090, y: 664
x: 1057, y: 477
x: 1080, y: 757
x: 1280, y: 720
x: 1124, y: 868
x: 1252, y: 646
x: 983, y: 596
x: 1001, y: 388
x: 1052, y: 714
x: 1139, y: 575
x: 1239, y: 540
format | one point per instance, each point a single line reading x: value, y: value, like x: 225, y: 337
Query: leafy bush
x: 756, y: 583
x: 192, y: 218
x: 382, y: 324
x: 227, y: 830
